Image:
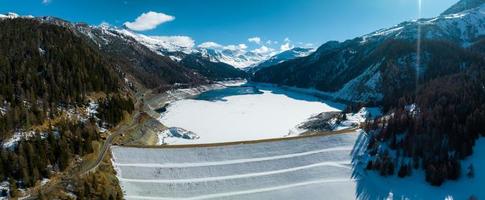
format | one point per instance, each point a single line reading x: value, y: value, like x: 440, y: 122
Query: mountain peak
x: 463, y: 5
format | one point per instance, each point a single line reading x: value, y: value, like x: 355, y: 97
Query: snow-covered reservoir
x: 302, y: 168
x: 247, y: 112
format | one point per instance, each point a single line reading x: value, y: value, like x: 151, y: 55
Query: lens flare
x: 418, y: 45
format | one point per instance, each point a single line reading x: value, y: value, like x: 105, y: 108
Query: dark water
x: 219, y: 95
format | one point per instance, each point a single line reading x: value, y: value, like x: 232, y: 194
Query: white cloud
x: 263, y: 50
x: 45, y: 2
x: 149, y: 21
x: 309, y: 45
x: 286, y: 46
x: 271, y: 42
x: 256, y: 40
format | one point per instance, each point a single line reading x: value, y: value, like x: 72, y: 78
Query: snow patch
x: 4, y: 190
x: 364, y: 88
x: 374, y: 186
x: 3, y: 110
x: 20, y: 135
x: 175, y: 135
x: 44, y: 181
x: 9, y: 15
x: 41, y: 51
x: 355, y: 119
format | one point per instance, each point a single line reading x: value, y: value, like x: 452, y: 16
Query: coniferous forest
x: 45, y: 70
x: 433, y: 129
x: 43, y: 67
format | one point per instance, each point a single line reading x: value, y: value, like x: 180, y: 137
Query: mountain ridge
x: 291, y: 54
x: 335, y: 64
x: 463, y: 5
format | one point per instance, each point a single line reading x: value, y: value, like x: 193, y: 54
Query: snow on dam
x: 304, y: 168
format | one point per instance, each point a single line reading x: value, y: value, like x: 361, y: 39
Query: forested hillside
x: 433, y: 130
x: 430, y: 85
x: 43, y: 67
x: 147, y: 67
x: 212, y: 70
x: 49, y: 76
x: 435, y: 126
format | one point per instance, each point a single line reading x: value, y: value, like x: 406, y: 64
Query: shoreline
x: 163, y: 100
x: 218, y: 144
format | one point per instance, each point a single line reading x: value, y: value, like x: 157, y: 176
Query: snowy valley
x: 220, y: 103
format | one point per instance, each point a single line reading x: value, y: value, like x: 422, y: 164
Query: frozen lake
x: 247, y: 112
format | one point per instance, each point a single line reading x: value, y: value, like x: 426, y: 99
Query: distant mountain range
x: 160, y: 61
x: 291, y: 54
x: 177, y: 48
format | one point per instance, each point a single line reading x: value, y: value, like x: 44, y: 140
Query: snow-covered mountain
x: 464, y: 26
x: 296, y: 52
x: 11, y: 15
x: 381, y: 64
x: 463, y: 5
x: 177, y: 47
x: 155, y: 61
x: 160, y: 44
x: 174, y: 47
x: 234, y: 56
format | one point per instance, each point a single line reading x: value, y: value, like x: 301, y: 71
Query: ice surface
x: 271, y: 113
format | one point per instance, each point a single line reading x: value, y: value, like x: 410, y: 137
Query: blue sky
x: 234, y: 21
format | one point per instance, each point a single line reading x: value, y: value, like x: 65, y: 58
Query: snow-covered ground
x: 371, y: 185
x: 355, y: 119
x: 4, y: 190
x: 174, y: 134
x: 18, y: 136
x: 303, y: 168
x: 269, y: 113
